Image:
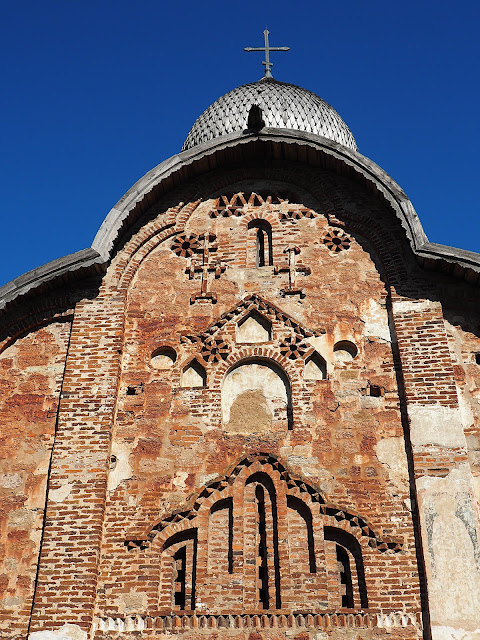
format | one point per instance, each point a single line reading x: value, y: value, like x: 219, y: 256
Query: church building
x: 251, y: 409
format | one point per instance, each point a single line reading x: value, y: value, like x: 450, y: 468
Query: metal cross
x: 267, y: 49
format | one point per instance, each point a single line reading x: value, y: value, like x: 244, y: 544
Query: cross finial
x: 267, y: 49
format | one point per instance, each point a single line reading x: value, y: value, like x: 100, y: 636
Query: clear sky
x: 97, y: 92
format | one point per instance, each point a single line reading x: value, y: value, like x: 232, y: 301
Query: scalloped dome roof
x: 284, y: 106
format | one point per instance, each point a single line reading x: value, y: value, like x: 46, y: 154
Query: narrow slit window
x: 345, y: 571
x: 180, y: 561
x: 260, y: 243
x: 263, y: 595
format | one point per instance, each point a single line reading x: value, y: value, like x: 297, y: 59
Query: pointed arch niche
x: 256, y: 397
x: 254, y: 328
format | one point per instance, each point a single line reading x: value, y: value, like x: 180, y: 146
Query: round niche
x: 163, y: 358
x: 344, y: 351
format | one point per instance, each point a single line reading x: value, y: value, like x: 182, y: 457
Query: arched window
x: 350, y: 571
x: 260, y: 242
x: 179, y: 561
x: 266, y: 559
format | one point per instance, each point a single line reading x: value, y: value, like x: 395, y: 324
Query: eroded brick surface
x: 250, y: 396
x: 31, y: 371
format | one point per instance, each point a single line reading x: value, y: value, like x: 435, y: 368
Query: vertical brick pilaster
x: 66, y: 584
x: 443, y: 479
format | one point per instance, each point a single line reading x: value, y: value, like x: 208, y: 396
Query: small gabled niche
x: 315, y: 367
x: 163, y: 358
x: 345, y: 351
x: 194, y: 375
x: 254, y: 328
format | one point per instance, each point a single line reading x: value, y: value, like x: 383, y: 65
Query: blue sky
x: 96, y: 93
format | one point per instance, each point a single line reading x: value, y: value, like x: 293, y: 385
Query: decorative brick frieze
x: 301, y: 621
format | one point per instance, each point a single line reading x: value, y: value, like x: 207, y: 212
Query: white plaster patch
x: 121, y: 469
x: 132, y: 602
x: 434, y: 424
x: 449, y: 519
x: 404, y: 306
x: 179, y: 479
x: 391, y: 453
x: 208, y: 477
x: 375, y: 318
x: 449, y: 633
x: 22, y: 518
x: 476, y: 487
x: 465, y: 410
x: 67, y: 632
x: 10, y: 480
x: 60, y: 494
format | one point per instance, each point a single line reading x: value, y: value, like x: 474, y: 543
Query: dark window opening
x: 260, y: 248
x: 477, y: 358
x: 179, y: 580
x: 263, y: 595
x: 263, y: 242
x: 345, y: 577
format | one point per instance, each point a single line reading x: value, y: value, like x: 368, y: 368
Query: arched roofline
x: 287, y: 144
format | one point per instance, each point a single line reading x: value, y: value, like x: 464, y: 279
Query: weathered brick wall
x: 345, y: 437
x: 170, y: 455
x: 31, y: 373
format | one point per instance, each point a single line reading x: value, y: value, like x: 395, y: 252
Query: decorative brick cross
x: 292, y: 269
x: 206, y: 246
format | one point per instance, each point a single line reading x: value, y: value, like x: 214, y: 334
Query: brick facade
x: 237, y: 429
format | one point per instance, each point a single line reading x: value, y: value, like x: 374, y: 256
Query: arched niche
x: 254, y: 329
x: 163, y: 358
x: 256, y: 397
x: 345, y: 351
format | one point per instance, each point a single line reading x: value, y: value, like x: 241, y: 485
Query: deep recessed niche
x: 163, y: 358
x: 477, y: 358
x: 375, y: 391
x: 345, y: 351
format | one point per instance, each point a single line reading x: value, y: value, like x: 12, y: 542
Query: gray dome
x: 284, y: 106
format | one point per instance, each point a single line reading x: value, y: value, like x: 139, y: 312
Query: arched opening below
x: 345, y: 351
x: 254, y: 328
x: 315, y: 367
